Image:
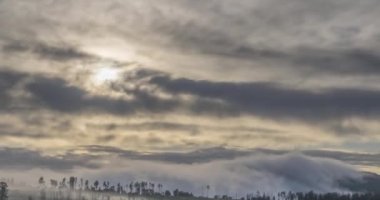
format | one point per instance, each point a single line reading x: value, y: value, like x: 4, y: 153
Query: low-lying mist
x: 259, y: 172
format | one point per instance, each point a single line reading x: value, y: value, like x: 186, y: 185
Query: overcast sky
x: 216, y: 92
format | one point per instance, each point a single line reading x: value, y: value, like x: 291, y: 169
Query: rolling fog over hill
x: 228, y: 171
x: 79, y: 188
x: 228, y: 97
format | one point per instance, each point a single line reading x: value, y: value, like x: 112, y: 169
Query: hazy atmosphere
x: 241, y: 95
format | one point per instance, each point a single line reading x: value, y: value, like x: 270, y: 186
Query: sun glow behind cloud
x: 105, y: 74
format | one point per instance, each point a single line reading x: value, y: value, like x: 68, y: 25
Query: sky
x: 241, y: 95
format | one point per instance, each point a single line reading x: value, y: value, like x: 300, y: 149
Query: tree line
x: 74, y: 188
x: 134, y: 188
x: 145, y: 188
x: 3, y: 190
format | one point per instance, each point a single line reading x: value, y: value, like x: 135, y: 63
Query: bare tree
x: 3, y: 191
x: 96, y: 184
x: 86, y: 185
x: 41, y: 183
x: 72, y: 181
x: 207, y: 189
x: 53, y: 183
x: 131, y: 187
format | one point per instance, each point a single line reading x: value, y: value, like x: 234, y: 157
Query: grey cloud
x: 245, y: 36
x: 197, y: 156
x: 89, y: 156
x: 221, y: 153
x: 304, y: 59
x: 45, y: 51
x: 252, y: 30
x: 58, y: 95
x: 193, y: 129
x: 24, y: 159
x: 59, y: 53
x: 223, y: 99
x: 106, y: 138
x: 277, y: 102
x: 354, y: 62
x: 22, y: 134
x: 341, y: 129
x: 11, y: 130
x: 308, y: 60
x: 166, y: 126
x: 352, y: 158
x: 364, y: 159
x: 8, y: 80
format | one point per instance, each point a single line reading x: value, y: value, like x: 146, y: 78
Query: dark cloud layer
x: 304, y: 59
x: 193, y: 129
x: 277, y: 102
x: 221, y: 153
x: 24, y: 159
x: 7, y: 132
x: 308, y: 60
x: 213, y: 98
x: 46, y: 51
x: 16, y: 157
x: 198, y: 156
x: 57, y: 94
x: 8, y: 81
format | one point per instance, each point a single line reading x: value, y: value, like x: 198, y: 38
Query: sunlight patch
x: 105, y: 74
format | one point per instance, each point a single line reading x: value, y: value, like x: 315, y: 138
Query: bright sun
x: 105, y: 74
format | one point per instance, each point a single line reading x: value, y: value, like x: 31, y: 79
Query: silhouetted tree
x: 81, y: 184
x: 167, y: 193
x: 63, y: 183
x: 3, y: 191
x: 41, y: 183
x: 178, y: 193
x: 119, y: 188
x: 86, y: 185
x: 106, y: 185
x: 53, y: 183
x: 96, y: 184
x: 152, y: 187
x: 131, y: 187
x: 137, y: 188
x: 159, y: 188
x: 207, y: 189
x: 72, y: 181
x: 142, y: 187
